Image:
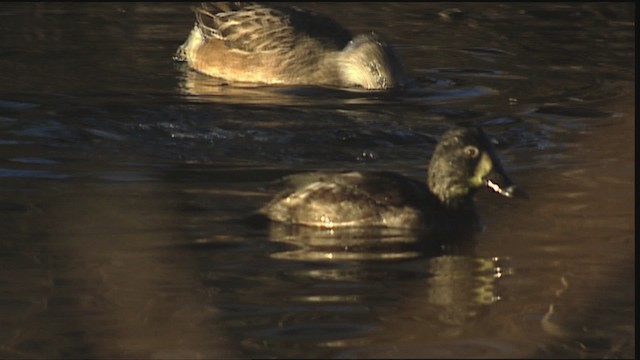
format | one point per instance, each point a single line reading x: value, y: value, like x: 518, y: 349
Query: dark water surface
x: 121, y: 172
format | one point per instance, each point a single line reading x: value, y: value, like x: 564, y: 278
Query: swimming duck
x: 463, y: 161
x: 255, y: 43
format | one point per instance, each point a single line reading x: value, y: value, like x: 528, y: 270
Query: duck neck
x: 457, y: 203
x: 450, y: 194
x: 458, y: 217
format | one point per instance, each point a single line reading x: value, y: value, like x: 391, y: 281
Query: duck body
x: 254, y: 43
x: 463, y: 162
x: 353, y: 199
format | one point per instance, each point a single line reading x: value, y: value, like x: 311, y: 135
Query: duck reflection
x: 367, y: 243
x: 202, y: 88
x: 209, y: 89
x: 453, y: 273
x: 388, y: 274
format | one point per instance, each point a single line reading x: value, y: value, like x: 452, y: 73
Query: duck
x: 286, y: 45
x: 464, y: 160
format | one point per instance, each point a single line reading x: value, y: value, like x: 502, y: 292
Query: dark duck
x: 463, y: 161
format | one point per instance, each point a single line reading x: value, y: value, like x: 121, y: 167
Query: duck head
x: 370, y: 62
x: 464, y: 161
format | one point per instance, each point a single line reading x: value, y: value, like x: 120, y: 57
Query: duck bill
x: 498, y: 181
x: 508, y: 190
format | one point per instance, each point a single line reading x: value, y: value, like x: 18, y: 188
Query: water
x: 121, y: 172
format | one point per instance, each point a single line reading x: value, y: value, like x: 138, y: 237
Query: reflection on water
x: 378, y: 243
x: 342, y: 244
x: 456, y: 291
x: 201, y: 88
x: 122, y: 177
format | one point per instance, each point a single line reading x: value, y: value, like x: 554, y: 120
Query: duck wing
x: 391, y: 189
x: 384, y: 187
x: 351, y: 199
x: 251, y: 27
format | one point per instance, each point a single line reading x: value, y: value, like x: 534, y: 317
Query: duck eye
x: 471, y: 151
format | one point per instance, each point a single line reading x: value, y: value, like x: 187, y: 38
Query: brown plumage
x: 248, y: 42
